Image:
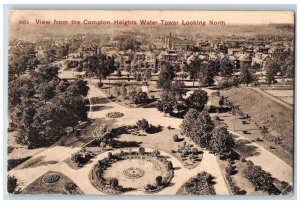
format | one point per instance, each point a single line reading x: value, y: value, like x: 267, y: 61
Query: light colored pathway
x: 39, y: 164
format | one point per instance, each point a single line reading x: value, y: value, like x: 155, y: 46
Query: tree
x: 206, y: 75
x: 47, y: 126
x: 165, y: 77
x: 102, y: 132
x: 226, y: 67
x: 19, y: 89
x: 47, y: 90
x: 22, y: 57
x: 119, y: 74
x: 197, y: 99
x: 193, y: 69
x: 271, y: 71
x: 198, y: 126
x: 246, y: 76
x: 221, y: 142
x: 123, y: 91
x: 78, y: 87
x: 261, y: 179
x: 136, y: 95
x: 23, y: 117
x: 72, y: 107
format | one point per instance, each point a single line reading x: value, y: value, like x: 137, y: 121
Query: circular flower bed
x: 133, y: 173
x: 115, y: 115
x: 50, y: 178
x: 132, y: 170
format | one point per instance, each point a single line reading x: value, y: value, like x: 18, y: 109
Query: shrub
x: 175, y: 138
x: 114, y: 182
x: 143, y: 124
x: 243, y: 159
x: 158, y: 181
x: 100, y: 84
x: 230, y: 170
x: 169, y: 165
x: 195, y: 151
x: 12, y: 183
x: 76, y: 158
x: 50, y: 178
x: 156, y: 153
x: 71, y: 187
x: 141, y: 150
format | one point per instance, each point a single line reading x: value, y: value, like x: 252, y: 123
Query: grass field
x: 265, y: 112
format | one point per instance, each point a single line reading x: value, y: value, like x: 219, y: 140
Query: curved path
x: 181, y: 174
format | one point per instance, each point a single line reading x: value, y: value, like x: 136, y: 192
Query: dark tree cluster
x: 199, y: 127
x: 42, y: 106
x: 22, y: 57
x: 99, y: 66
x: 261, y: 179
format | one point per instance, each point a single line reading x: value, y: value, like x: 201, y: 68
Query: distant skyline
x: 230, y: 17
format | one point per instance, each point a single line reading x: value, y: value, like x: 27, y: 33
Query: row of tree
x: 200, y: 128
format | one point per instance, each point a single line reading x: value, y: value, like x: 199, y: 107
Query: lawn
x: 41, y: 187
x: 263, y: 112
x: 164, y: 141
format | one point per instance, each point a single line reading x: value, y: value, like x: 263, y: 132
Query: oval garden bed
x: 115, y: 115
x: 132, y: 170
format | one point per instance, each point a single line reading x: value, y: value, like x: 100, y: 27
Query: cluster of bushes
x: 228, y: 82
x: 187, y: 151
x: 71, y: 188
x: 202, y: 184
x: 82, y: 157
x: 261, y: 179
x: 229, y: 171
x: 12, y: 183
x: 144, y: 125
x: 199, y: 127
x: 132, y: 93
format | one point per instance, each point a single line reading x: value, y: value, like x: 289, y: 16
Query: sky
x: 230, y: 17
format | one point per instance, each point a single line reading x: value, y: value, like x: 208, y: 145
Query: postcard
x: 151, y: 102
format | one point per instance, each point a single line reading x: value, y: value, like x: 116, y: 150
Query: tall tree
x: 246, y: 76
x: 271, y: 70
x: 221, y: 142
x: 226, y: 67
x: 165, y: 77
x: 197, y: 99
x: 198, y: 126
x: 193, y: 69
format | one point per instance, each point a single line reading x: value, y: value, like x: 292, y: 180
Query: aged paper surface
x: 139, y: 102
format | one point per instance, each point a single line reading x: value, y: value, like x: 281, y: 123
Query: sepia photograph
x: 151, y: 102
